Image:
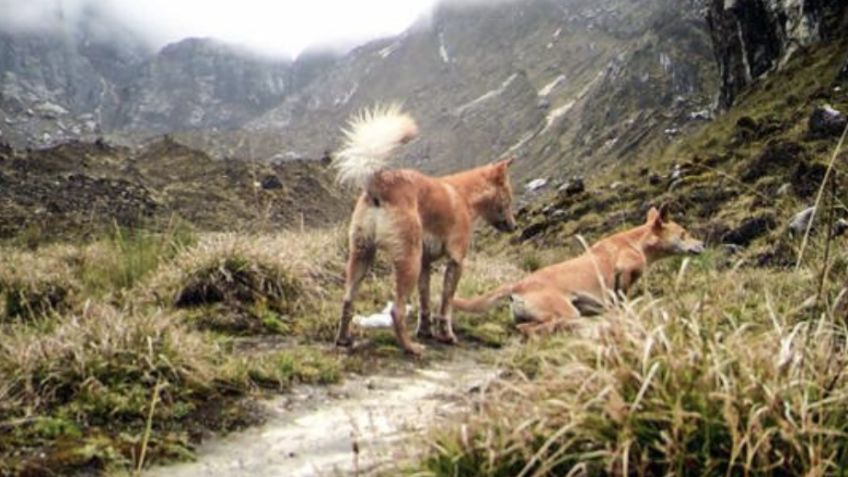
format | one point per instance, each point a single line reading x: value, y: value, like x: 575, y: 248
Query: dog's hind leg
x: 545, y: 312
x: 361, y: 257
x: 407, y: 264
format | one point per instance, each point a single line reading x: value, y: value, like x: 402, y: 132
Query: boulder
x: 536, y: 184
x: 655, y: 179
x: 799, y: 223
x: 271, y: 182
x: 826, y: 122
x: 572, y: 187
x: 776, y: 155
x: 749, y: 230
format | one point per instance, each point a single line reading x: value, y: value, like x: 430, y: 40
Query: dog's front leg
x: 628, y: 270
x: 453, y: 272
x: 425, y: 329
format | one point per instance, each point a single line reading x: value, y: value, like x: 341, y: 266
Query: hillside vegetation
x: 128, y: 349
x: 731, y: 363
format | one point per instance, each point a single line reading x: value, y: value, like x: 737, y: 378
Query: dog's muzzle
x: 696, y: 249
x: 505, y: 226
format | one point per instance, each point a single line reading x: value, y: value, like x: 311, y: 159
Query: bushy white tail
x: 370, y: 139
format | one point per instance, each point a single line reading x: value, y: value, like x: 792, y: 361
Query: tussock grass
x: 254, y: 284
x: 33, y: 284
x: 733, y: 371
x: 87, y: 381
x: 104, y: 332
x: 124, y: 257
x: 60, y: 277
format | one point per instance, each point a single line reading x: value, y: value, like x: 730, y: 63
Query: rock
x: 807, y: 178
x: 572, y: 187
x: 732, y: 248
x: 799, y: 223
x: 749, y: 230
x: 753, y: 37
x: 655, y: 179
x: 776, y: 155
x: 559, y: 214
x: 746, y: 122
x: 826, y: 122
x: 843, y: 73
x: 535, y: 184
x: 271, y: 182
x: 840, y: 227
x: 534, y: 230
x: 702, y: 115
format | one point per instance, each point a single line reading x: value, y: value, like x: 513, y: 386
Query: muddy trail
x: 359, y: 427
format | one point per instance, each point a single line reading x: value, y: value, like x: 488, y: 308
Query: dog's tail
x: 370, y: 139
x: 482, y: 303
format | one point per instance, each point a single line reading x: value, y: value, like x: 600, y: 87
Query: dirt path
x: 314, y: 431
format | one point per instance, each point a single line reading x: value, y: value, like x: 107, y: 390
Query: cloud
x: 277, y: 27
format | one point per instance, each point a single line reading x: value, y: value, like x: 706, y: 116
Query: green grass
x: 91, y: 330
x: 728, y: 371
x: 129, y: 255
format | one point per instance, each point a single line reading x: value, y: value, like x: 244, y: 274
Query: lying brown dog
x: 551, y: 296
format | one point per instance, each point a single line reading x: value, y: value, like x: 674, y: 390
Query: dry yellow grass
x: 720, y: 371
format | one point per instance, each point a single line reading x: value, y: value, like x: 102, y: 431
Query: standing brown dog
x: 416, y: 218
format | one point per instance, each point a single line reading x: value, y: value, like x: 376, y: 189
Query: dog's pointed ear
x: 654, y: 218
x: 658, y: 217
x: 665, y: 211
x: 503, y: 164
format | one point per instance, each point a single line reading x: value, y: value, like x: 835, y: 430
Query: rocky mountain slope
x: 80, y: 188
x: 73, y: 83
x: 752, y: 38
x: 569, y: 86
x: 559, y: 82
x: 572, y: 81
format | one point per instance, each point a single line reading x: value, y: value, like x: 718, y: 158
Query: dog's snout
x: 697, y: 249
x: 506, y: 226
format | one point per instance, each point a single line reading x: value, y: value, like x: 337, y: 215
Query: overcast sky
x: 281, y: 27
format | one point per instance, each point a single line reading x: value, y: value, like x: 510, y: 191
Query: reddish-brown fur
x: 419, y: 219
x: 548, y: 298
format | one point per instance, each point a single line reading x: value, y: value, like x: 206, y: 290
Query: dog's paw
x: 344, y: 342
x: 447, y: 338
x: 424, y: 333
x: 414, y: 349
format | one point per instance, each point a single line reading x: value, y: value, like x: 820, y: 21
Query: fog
x: 279, y: 28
